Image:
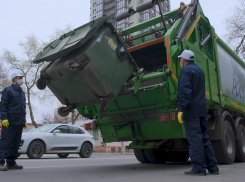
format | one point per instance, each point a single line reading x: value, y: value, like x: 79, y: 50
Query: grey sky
x: 18, y: 18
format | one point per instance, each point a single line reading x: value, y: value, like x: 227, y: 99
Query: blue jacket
x: 191, y: 91
x: 13, y: 105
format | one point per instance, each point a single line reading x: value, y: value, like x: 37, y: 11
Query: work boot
x: 14, y: 166
x: 193, y: 173
x: 3, y: 168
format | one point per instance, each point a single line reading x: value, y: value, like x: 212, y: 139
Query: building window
x: 130, y: 1
x: 131, y: 17
x: 95, y: 134
x: 120, y: 6
x: 111, y: 17
x: 121, y: 24
x: 130, y: 24
x: 94, y: 4
x: 94, y: 11
x: 144, y: 15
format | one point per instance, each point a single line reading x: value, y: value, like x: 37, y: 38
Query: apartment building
x: 111, y: 8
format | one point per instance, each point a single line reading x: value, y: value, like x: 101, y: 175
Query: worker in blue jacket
x: 13, y: 116
x: 193, y: 113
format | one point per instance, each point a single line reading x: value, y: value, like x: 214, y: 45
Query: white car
x: 60, y: 139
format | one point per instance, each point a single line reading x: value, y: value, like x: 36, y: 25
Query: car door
x: 58, y: 142
x: 76, y: 137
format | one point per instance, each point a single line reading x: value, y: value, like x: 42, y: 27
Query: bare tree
x: 235, y: 25
x: 31, y: 47
x: 4, y: 81
x: 58, y: 32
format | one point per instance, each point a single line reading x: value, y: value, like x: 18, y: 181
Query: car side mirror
x: 56, y: 131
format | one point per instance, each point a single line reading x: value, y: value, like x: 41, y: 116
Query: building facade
x: 111, y: 8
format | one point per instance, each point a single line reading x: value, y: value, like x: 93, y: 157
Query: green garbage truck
x: 126, y: 81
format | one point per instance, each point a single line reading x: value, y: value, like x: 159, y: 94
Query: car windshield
x: 44, y: 128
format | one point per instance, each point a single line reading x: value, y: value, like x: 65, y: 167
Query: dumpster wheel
x: 41, y: 83
x: 103, y: 107
x: 64, y: 111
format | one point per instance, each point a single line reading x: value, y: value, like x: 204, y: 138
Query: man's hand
x: 180, y: 114
x: 26, y: 126
x: 5, y: 123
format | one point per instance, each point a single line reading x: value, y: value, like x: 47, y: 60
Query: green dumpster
x: 86, y: 66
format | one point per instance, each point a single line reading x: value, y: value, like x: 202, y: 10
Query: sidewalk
x: 111, y: 149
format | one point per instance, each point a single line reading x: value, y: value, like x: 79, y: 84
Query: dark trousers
x: 201, y: 150
x: 9, y: 144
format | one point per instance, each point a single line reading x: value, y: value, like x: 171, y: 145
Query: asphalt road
x: 111, y: 168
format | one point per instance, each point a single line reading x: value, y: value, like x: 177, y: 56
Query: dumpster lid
x: 69, y: 41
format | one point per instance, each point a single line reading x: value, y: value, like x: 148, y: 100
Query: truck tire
x: 240, y: 144
x: 225, y: 148
x: 140, y: 156
x: 182, y: 156
x: 150, y: 155
x: 161, y: 156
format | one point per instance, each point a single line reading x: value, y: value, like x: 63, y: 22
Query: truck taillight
x: 166, y: 117
x: 90, y: 126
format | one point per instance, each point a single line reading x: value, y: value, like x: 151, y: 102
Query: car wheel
x: 86, y: 150
x: 35, y: 150
x: 62, y: 155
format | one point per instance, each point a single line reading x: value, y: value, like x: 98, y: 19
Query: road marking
x: 80, y: 165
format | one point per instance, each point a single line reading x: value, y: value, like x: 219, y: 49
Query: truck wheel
x: 150, y: 155
x: 140, y: 156
x: 225, y: 148
x: 35, y: 150
x: 62, y: 155
x: 240, y: 144
x: 178, y: 156
x: 160, y: 155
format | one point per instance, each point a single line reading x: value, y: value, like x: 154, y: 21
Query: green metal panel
x: 69, y: 41
x: 100, y: 71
